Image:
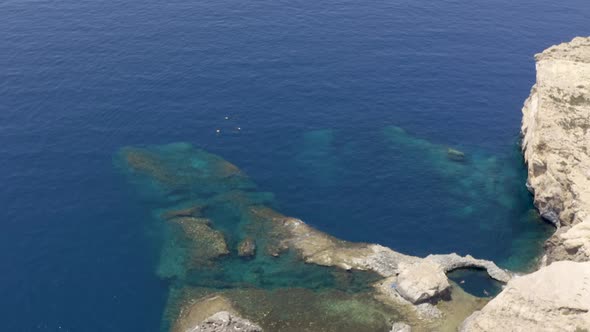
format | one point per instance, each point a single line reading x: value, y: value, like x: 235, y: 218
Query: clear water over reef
x: 340, y: 112
x: 221, y: 240
x: 205, y: 209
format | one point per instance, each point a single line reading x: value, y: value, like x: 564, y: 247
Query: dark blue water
x: 81, y: 79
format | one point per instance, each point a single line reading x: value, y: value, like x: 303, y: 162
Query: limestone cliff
x: 556, y: 139
x: 556, y: 143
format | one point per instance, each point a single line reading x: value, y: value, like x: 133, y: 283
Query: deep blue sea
x: 339, y: 108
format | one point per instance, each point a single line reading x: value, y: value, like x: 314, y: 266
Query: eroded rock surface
x: 205, y: 243
x: 555, y: 298
x: 225, y: 322
x: 247, y: 248
x: 413, y: 278
x: 401, y: 327
x: 450, y: 262
x: 556, y: 139
x: 212, y: 314
x: 198, y: 310
x: 419, y: 282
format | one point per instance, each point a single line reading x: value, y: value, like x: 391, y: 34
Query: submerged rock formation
x: 556, y: 143
x: 204, y: 242
x: 209, y: 206
x: 247, y: 248
x: 555, y: 298
x: 455, y: 155
x: 556, y: 119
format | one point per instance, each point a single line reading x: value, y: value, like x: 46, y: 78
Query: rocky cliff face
x: 556, y: 146
x: 556, y: 143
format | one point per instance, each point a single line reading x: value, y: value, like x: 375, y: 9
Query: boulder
x: 422, y: 281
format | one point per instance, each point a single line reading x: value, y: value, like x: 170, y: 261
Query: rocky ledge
x: 556, y: 120
x: 556, y: 143
x: 414, y: 279
x: 555, y: 298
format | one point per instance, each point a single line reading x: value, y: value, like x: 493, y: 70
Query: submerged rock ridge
x: 556, y: 144
x: 227, y: 251
x: 556, y: 119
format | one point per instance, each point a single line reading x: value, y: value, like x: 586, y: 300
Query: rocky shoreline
x: 418, y: 289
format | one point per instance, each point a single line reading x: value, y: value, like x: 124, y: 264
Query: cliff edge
x: 556, y: 143
x: 556, y: 139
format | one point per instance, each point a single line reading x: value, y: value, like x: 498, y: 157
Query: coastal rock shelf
x: 225, y: 248
x: 556, y: 119
x: 555, y: 298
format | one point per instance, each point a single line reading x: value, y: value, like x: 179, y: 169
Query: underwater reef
x: 224, y: 248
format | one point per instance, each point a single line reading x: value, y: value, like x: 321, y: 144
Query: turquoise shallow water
x: 317, y: 90
x: 204, y: 208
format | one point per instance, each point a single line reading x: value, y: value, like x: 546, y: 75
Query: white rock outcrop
x: 555, y: 298
x: 422, y: 281
x: 556, y: 146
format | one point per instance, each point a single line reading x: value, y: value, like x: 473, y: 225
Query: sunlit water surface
x: 341, y: 111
